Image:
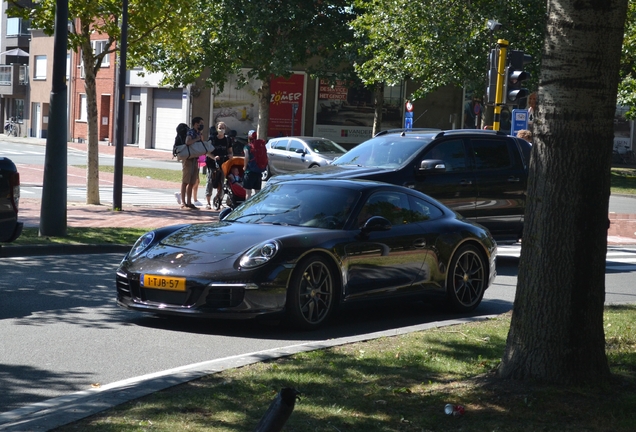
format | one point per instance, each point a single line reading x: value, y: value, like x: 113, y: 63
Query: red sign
x: 286, y: 105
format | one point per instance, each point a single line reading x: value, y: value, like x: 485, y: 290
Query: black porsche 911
x: 300, y: 249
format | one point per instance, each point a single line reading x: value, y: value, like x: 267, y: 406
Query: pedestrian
x: 525, y: 134
x: 532, y: 107
x: 252, y: 174
x: 190, y: 167
x: 472, y: 112
x: 222, y: 152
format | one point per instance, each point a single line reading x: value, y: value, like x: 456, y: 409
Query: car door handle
x: 512, y: 179
x: 419, y: 243
x: 466, y: 182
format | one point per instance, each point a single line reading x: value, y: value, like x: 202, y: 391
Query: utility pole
x: 53, y: 207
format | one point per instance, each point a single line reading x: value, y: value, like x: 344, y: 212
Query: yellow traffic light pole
x: 501, y: 68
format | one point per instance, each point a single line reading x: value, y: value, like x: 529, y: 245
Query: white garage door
x: 167, y: 115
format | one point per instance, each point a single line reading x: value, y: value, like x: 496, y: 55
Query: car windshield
x: 384, y: 152
x: 325, y: 146
x: 298, y: 204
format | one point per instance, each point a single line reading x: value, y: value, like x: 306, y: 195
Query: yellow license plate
x: 163, y: 282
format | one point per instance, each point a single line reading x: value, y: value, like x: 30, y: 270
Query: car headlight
x: 259, y: 254
x: 141, y: 244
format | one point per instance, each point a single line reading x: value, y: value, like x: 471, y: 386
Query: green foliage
x: 271, y: 38
x: 439, y: 43
x: 627, y: 84
x: 89, y: 236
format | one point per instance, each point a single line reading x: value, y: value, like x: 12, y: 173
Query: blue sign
x: 519, y: 121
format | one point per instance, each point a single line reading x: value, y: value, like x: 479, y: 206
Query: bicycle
x: 629, y: 158
x: 11, y: 128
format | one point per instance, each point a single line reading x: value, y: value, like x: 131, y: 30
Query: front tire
x: 467, y: 279
x: 311, y: 294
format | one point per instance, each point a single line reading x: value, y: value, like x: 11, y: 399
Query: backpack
x: 257, y: 148
x: 179, y: 140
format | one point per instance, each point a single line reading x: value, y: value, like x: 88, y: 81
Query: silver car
x: 295, y: 153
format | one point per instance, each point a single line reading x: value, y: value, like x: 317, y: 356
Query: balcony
x: 13, y: 80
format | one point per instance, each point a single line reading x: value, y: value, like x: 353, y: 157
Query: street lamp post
x: 120, y: 112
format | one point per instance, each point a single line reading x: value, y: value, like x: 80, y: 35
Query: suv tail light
x: 14, y: 187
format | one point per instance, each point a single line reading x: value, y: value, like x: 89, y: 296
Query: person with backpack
x: 255, y: 163
x: 189, y: 167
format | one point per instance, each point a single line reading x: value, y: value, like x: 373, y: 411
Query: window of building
x: 98, y: 48
x: 17, y: 27
x: 18, y: 110
x: 39, y: 69
x: 82, y: 108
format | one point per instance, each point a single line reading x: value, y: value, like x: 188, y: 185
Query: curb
x: 61, y: 249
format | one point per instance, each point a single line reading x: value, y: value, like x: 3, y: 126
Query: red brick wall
x: 105, y: 85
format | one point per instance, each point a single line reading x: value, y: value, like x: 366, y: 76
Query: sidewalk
x: 622, y: 229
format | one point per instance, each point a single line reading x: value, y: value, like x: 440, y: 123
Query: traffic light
x: 514, y: 76
x: 491, y: 91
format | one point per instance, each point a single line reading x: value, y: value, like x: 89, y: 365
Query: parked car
x: 287, y: 154
x: 302, y: 248
x: 481, y: 174
x: 10, y: 227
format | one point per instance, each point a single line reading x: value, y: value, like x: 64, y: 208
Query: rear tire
x: 311, y: 294
x: 467, y: 279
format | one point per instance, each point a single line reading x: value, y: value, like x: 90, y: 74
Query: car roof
x: 300, y: 137
x: 356, y: 184
x: 438, y: 133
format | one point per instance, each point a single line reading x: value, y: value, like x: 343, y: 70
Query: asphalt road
x: 62, y: 333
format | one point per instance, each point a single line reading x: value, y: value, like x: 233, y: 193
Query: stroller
x: 235, y: 192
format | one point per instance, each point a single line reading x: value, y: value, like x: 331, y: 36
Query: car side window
x: 422, y: 210
x: 295, y: 145
x: 491, y: 154
x: 452, y: 152
x: 393, y: 206
x: 281, y: 144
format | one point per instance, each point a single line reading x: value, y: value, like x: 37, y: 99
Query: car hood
x: 333, y: 171
x: 209, y: 243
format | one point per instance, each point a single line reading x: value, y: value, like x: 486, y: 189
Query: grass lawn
x: 399, y: 383
x: 126, y: 236
x: 623, y: 181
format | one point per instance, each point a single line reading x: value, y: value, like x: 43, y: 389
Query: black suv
x: 480, y: 174
x: 10, y: 228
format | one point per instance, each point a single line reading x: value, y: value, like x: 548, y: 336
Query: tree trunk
x: 556, y: 333
x: 264, y: 96
x: 378, y: 96
x: 92, y: 154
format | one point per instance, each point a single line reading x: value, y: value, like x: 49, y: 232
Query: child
x: 234, y: 176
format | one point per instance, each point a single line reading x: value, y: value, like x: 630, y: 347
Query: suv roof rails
x: 470, y: 131
x: 404, y: 131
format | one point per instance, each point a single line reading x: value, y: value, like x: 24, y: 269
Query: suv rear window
x: 491, y: 154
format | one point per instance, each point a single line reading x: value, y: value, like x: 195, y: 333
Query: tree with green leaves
x: 148, y: 21
x: 438, y: 43
x: 254, y: 39
x: 556, y: 333
x: 627, y: 85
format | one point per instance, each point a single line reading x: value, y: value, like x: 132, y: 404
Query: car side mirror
x: 436, y: 165
x: 375, y: 223
x: 226, y: 211
x: 300, y: 151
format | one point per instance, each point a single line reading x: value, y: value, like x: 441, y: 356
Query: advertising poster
x: 344, y: 113
x: 286, y: 106
x: 238, y: 108
x: 622, y: 130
